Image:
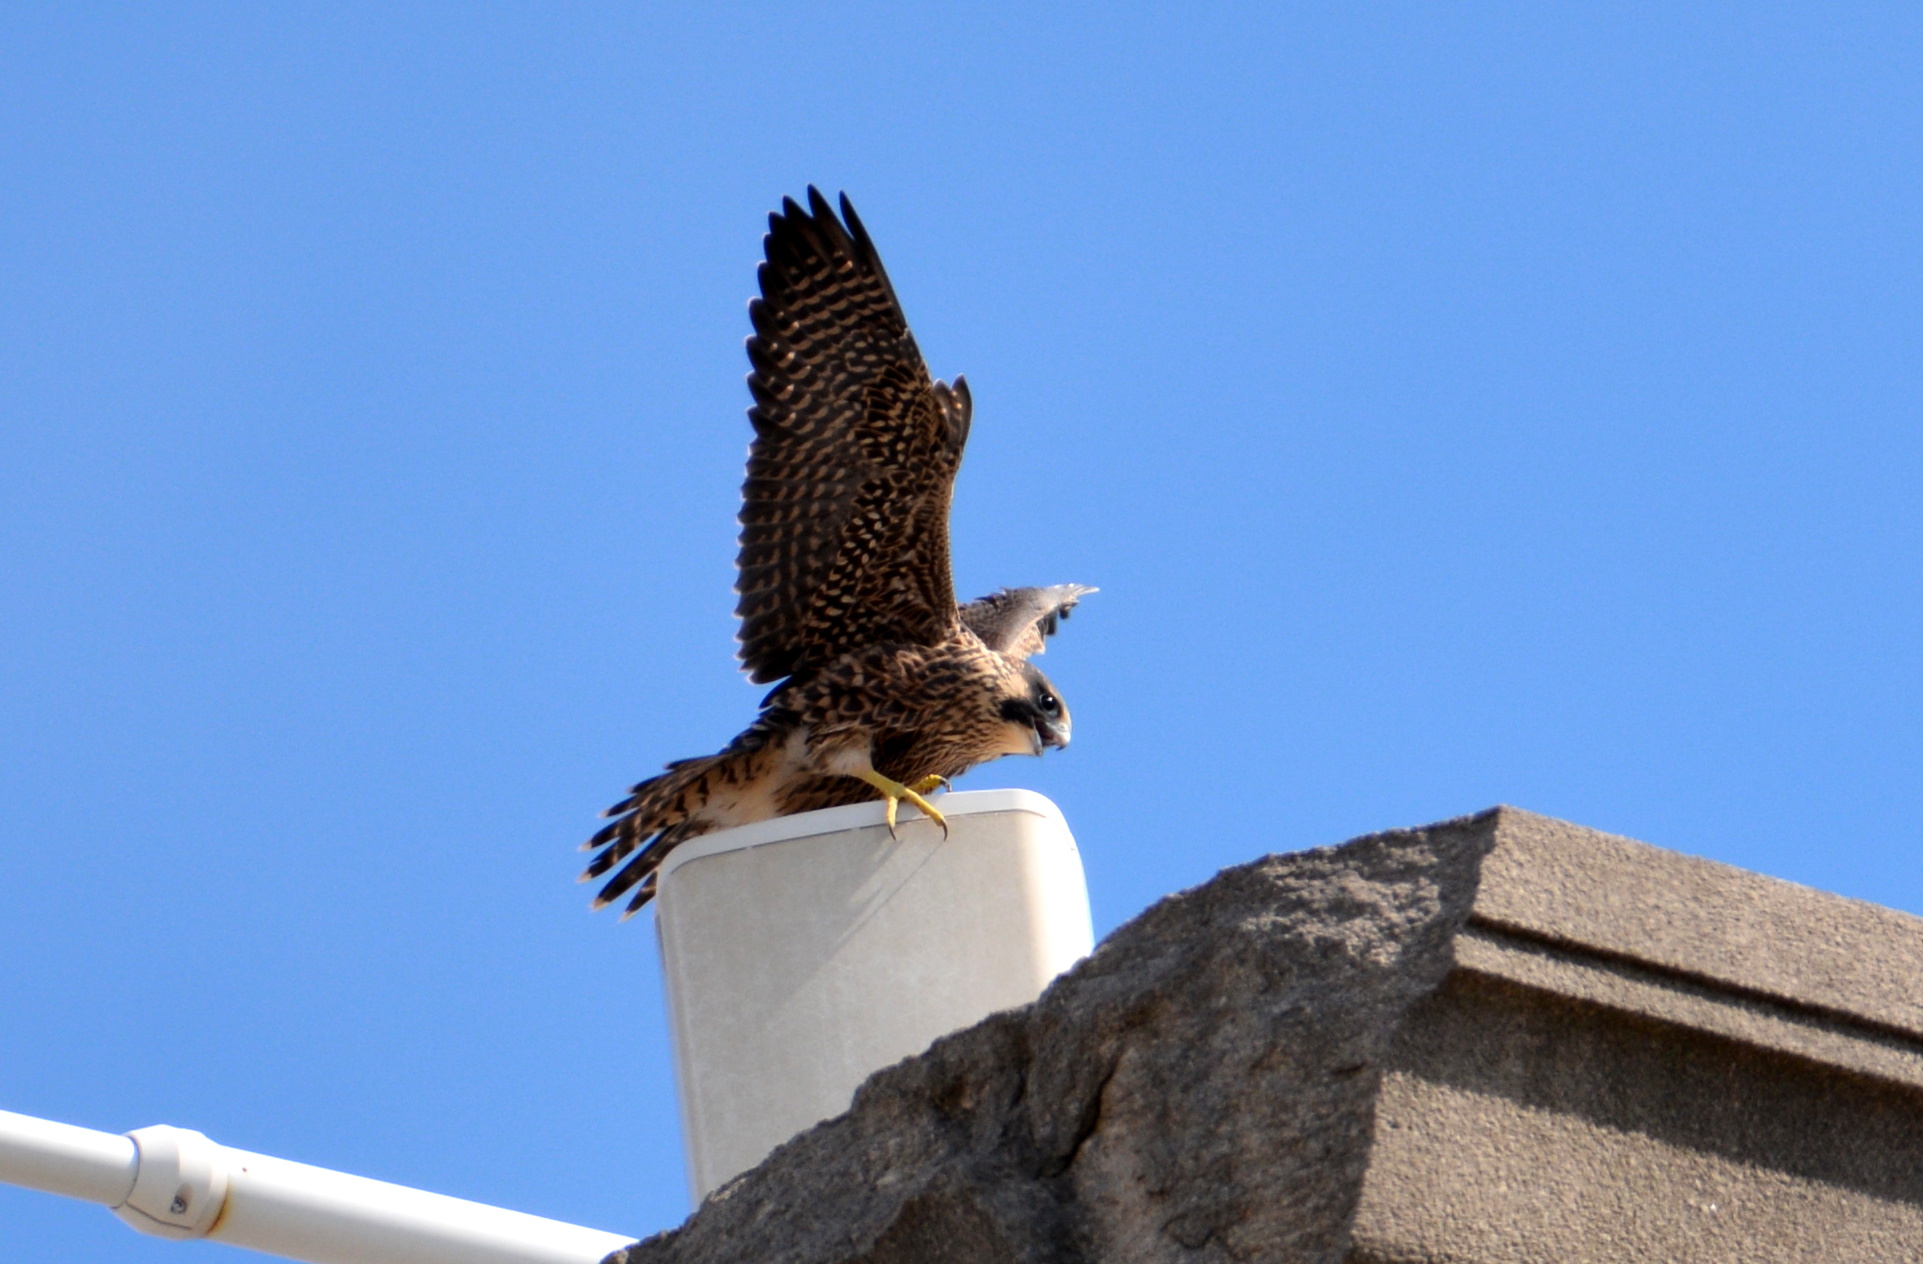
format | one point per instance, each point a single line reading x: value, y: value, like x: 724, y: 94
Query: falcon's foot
x: 894, y: 792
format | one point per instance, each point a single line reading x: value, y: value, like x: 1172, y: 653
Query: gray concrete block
x: 1645, y: 1056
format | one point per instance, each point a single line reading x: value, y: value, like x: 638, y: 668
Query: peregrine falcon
x: 884, y: 687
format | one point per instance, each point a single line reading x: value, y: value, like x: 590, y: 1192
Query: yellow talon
x: 930, y: 782
x: 894, y: 792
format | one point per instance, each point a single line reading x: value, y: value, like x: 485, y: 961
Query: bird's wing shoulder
x: 844, y: 516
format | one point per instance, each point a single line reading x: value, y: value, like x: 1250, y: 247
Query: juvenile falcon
x: 887, y: 688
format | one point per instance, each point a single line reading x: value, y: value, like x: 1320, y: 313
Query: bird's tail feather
x: 657, y: 814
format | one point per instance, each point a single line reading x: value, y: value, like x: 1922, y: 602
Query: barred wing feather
x: 844, y: 516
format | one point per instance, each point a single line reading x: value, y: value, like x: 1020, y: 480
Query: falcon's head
x: 1038, y: 714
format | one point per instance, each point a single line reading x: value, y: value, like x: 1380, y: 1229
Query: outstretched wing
x: 1017, y: 621
x: 844, y: 515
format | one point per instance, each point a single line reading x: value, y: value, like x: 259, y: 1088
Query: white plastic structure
x: 175, y: 1183
x: 804, y: 953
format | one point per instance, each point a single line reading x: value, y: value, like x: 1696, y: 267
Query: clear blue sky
x: 1456, y: 405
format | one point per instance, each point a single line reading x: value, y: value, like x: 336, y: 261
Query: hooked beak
x: 1051, y: 733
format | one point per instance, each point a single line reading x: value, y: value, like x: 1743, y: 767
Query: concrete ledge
x: 1741, y: 931
x: 1647, y: 1056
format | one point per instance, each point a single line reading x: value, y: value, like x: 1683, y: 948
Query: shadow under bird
x: 886, y: 687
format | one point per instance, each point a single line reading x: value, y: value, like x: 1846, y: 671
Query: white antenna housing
x: 804, y: 953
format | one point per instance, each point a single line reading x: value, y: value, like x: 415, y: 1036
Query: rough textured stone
x: 1201, y: 1088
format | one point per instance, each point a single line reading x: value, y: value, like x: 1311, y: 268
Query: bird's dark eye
x: 1048, y: 702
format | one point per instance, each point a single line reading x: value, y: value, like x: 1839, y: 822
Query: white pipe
x: 95, y: 1167
x: 310, y: 1213
x: 176, y: 1183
